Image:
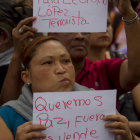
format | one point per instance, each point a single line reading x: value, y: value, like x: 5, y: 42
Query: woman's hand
x: 119, y: 126
x: 29, y: 131
x: 23, y: 33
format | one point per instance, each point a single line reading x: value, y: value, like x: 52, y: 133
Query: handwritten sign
x: 74, y: 115
x: 70, y: 15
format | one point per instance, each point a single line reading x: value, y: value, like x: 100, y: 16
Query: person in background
x: 120, y: 44
x: 11, y: 13
x: 100, y: 43
x: 98, y: 51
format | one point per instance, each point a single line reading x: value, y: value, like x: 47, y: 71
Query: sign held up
x: 70, y: 15
x: 74, y: 115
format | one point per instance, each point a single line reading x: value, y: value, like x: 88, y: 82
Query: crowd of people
x: 33, y: 62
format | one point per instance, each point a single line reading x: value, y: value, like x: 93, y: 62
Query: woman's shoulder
x: 11, y: 118
x: 7, y: 112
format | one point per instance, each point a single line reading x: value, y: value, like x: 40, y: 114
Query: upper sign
x: 70, y: 15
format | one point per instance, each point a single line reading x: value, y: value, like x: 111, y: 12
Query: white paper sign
x: 74, y: 115
x: 70, y: 15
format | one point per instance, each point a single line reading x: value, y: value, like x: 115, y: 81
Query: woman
x: 47, y: 68
x: 99, y: 43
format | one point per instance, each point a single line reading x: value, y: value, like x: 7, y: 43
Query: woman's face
x: 50, y: 69
x: 102, y: 39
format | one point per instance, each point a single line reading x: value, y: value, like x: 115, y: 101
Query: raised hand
x: 23, y: 33
x: 124, y: 7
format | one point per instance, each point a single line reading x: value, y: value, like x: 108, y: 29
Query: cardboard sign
x: 74, y: 115
x: 70, y: 15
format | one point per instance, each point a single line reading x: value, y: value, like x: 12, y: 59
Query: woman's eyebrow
x: 63, y: 55
x: 52, y: 57
x: 46, y: 57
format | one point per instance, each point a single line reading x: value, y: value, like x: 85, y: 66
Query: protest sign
x: 70, y: 15
x: 76, y: 115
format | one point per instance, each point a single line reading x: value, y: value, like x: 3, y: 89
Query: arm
x: 12, y: 84
x: 130, y: 69
x: 25, y: 131
x: 135, y: 127
x: 136, y: 98
x: 5, y: 133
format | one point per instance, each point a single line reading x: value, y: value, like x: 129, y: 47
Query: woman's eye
x: 67, y: 61
x: 47, y: 62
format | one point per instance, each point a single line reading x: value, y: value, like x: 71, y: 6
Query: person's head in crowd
x: 76, y: 43
x: 102, y: 39
x: 11, y: 13
x: 48, y: 66
x: 99, y: 42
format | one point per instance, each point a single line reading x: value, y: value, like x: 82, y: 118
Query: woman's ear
x: 25, y: 76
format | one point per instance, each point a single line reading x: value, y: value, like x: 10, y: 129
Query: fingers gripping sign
x: 119, y: 126
x: 28, y: 131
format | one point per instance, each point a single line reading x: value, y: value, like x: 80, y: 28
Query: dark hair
x: 30, y: 49
x: 11, y: 13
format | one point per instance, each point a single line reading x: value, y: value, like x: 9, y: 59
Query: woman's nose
x: 60, y: 69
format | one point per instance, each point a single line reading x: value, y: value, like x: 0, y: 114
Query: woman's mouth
x: 65, y: 80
